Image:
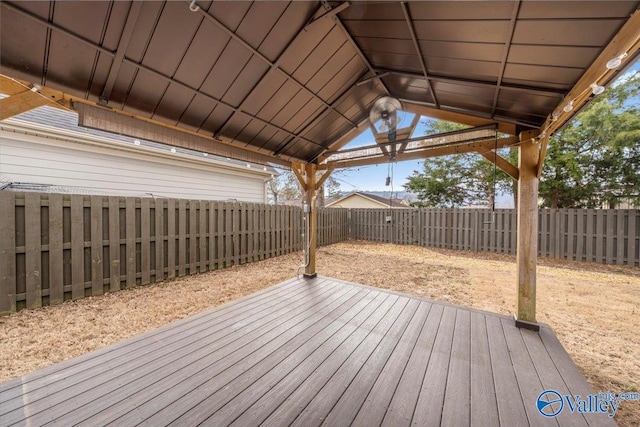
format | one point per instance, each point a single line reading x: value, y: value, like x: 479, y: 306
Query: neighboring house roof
x: 383, y: 202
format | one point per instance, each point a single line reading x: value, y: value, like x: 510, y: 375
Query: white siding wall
x: 125, y: 171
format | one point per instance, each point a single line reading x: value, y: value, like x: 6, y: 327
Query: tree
x: 286, y: 187
x: 453, y: 181
x: 595, y: 159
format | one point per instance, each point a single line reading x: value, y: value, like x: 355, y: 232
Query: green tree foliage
x: 595, y: 159
x: 458, y: 180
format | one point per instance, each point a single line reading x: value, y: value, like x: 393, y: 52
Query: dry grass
x: 594, y: 309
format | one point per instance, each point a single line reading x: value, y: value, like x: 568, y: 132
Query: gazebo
x: 291, y: 83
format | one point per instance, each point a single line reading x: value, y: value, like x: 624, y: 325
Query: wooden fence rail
x: 606, y: 236
x: 55, y: 247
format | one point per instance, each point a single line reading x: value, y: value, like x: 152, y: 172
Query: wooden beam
x: 543, y: 153
x: 527, y: 241
x: 504, y: 165
x: 323, y: 178
x: 297, y: 169
x: 483, y: 145
x: 412, y: 127
x: 10, y: 86
x: 27, y: 100
x: 627, y: 40
x: 310, y: 199
x: 116, y: 121
x: 465, y: 119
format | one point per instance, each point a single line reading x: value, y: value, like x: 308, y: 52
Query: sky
x: 372, y: 178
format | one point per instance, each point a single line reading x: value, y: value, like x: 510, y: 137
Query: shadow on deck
x: 308, y: 352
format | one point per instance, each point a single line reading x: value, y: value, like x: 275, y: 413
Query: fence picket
x: 114, y: 244
x: 130, y: 240
x: 145, y: 239
x: 159, y: 239
x: 193, y: 239
x: 97, y: 288
x: 77, y: 246
x: 171, y: 238
x: 202, y: 235
x: 56, y: 253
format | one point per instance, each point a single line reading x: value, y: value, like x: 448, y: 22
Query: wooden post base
x: 310, y: 276
x: 526, y: 325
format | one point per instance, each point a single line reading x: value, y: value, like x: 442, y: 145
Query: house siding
x: 35, y: 158
x: 357, y: 202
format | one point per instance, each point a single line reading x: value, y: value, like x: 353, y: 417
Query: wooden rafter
x: 627, y: 40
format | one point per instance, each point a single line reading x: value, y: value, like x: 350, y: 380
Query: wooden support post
x: 527, y: 249
x: 310, y: 199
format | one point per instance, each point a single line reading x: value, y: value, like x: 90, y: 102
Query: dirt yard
x: 594, y: 309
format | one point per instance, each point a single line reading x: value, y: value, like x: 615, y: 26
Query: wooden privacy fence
x: 606, y: 236
x: 55, y: 247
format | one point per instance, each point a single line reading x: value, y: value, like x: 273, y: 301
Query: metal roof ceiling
x: 278, y: 77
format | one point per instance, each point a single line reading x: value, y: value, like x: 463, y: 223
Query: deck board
x: 310, y: 352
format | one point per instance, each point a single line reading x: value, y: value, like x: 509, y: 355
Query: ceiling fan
x: 383, y: 116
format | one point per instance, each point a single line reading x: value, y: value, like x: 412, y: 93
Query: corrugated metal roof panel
x: 268, y: 75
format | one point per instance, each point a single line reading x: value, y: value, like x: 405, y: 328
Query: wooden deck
x: 308, y: 352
